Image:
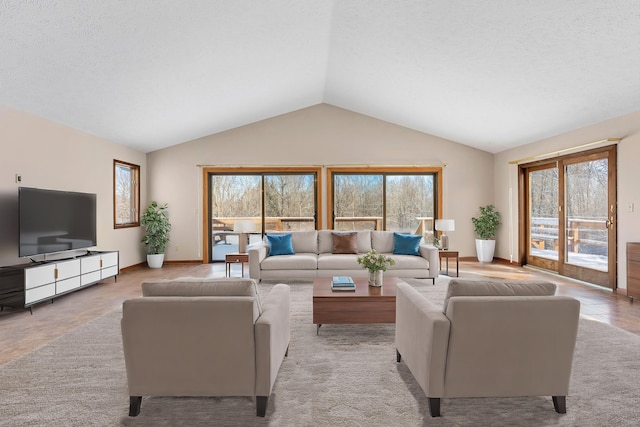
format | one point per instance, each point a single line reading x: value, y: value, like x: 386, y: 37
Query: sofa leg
x: 434, y: 281
x: 134, y: 405
x: 261, y: 405
x: 398, y: 356
x: 560, y: 404
x: 434, y: 406
x: 286, y: 353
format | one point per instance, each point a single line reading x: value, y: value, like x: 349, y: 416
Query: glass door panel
x: 235, y: 210
x: 543, y: 214
x: 289, y: 203
x: 587, y: 210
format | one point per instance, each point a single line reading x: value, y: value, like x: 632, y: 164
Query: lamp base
x: 444, y: 242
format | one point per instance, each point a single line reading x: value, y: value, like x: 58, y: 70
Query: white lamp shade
x: 243, y: 226
x: 445, y: 225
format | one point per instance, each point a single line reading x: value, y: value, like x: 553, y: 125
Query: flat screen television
x: 55, y: 221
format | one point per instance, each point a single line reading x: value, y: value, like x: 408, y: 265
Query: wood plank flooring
x: 21, y: 332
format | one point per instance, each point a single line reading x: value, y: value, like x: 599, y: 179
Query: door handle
x: 609, y: 223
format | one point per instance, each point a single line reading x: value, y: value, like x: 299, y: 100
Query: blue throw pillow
x: 406, y: 244
x: 280, y: 244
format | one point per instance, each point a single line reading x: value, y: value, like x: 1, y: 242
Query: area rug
x: 345, y: 376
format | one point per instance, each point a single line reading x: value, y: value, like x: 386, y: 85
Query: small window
x: 126, y: 194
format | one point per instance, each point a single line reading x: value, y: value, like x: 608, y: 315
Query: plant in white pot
x: 486, y: 226
x: 156, y: 222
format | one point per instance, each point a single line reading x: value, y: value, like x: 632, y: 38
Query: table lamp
x: 243, y: 226
x: 445, y: 225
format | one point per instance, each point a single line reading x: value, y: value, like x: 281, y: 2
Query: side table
x: 446, y: 254
x: 235, y: 257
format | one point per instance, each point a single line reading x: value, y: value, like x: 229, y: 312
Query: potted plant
x: 156, y: 222
x: 485, y: 226
x: 376, y: 263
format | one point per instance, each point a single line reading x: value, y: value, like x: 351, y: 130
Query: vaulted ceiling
x: 153, y: 73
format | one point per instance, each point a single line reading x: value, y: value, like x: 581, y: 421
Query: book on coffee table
x: 343, y: 283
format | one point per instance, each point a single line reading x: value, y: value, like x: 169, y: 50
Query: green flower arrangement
x: 375, y: 261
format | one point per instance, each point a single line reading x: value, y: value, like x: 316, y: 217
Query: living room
x: 324, y: 129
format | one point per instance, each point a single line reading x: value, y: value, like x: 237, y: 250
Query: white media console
x: 27, y: 284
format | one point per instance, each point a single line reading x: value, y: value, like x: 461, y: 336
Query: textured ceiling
x: 489, y: 74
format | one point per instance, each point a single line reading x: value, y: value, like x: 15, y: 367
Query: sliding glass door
x: 243, y: 205
x: 570, y: 215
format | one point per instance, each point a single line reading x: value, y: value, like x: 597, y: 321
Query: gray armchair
x: 204, y: 337
x: 491, y: 339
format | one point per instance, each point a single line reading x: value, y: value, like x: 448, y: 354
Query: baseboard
x: 495, y: 260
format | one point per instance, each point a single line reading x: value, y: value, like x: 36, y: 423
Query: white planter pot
x: 155, y: 261
x: 485, y: 249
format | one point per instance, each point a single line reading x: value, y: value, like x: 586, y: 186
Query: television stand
x: 25, y: 285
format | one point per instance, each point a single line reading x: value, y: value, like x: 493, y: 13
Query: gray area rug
x: 346, y: 376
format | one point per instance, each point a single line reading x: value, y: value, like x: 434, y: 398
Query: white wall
x: 506, y: 179
x: 318, y: 135
x: 53, y: 156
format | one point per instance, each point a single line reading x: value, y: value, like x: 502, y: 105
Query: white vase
x: 155, y: 260
x: 485, y: 249
x: 375, y: 278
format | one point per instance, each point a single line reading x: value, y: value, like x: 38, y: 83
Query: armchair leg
x: 398, y: 356
x: 434, y: 406
x: 134, y: 405
x: 560, y: 404
x: 286, y: 353
x: 261, y: 405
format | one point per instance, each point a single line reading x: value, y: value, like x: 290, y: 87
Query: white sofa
x: 314, y: 257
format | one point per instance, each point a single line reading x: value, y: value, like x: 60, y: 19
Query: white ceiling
x: 153, y: 73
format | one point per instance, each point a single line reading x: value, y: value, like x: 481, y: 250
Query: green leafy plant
x: 375, y: 261
x: 486, y: 225
x: 156, y: 222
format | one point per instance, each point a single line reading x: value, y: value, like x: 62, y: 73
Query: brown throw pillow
x: 344, y: 243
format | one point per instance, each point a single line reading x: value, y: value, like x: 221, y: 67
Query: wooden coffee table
x: 367, y: 304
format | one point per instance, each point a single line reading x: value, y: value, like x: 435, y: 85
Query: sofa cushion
x: 406, y: 244
x: 325, y: 241
x: 299, y: 261
x: 481, y: 287
x: 409, y: 262
x: 344, y: 243
x: 382, y: 241
x: 280, y: 244
x: 338, y: 262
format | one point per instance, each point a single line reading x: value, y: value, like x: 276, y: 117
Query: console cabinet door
x: 38, y: 276
x: 68, y: 269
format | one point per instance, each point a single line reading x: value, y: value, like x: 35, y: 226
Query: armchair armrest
x: 257, y: 252
x: 272, y: 332
x: 430, y: 252
x: 422, y: 335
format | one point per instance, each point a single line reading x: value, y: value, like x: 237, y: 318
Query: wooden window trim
x: 135, y: 196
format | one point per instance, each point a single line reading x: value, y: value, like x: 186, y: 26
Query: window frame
x: 135, y: 197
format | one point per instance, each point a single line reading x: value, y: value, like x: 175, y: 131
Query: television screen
x: 55, y: 221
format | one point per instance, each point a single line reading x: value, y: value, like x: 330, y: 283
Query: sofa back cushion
x: 458, y: 287
x: 305, y: 241
x: 198, y: 287
x: 325, y: 240
x: 382, y: 241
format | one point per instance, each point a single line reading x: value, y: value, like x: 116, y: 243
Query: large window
x: 396, y: 199
x: 126, y: 194
x: 244, y: 204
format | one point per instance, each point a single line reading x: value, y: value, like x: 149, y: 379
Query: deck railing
x: 588, y: 234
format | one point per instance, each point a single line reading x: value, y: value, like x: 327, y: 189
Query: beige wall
x: 318, y: 135
x: 52, y: 156
x: 628, y: 227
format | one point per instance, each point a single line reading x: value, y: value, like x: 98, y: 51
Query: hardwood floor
x: 21, y: 332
